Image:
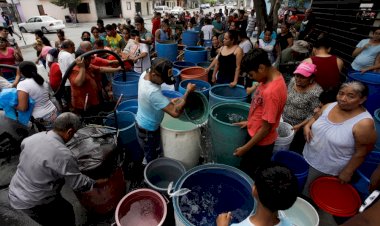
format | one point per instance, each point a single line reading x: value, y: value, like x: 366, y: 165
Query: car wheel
x: 44, y: 30
x: 23, y: 30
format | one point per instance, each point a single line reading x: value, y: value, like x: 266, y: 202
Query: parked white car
x: 162, y: 9
x: 177, y: 10
x: 44, y: 23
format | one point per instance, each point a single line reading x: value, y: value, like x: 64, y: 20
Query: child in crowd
x: 275, y: 189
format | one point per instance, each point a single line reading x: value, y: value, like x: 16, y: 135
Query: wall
x: 89, y: 17
x: 128, y: 12
x: 29, y: 8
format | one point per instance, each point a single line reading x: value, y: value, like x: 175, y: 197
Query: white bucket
x: 285, y: 137
x: 301, y: 214
x: 181, y: 140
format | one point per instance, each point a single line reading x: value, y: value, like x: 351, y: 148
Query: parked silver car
x: 44, y: 23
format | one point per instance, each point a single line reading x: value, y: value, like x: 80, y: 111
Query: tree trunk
x: 261, y: 15
x: 273, y: 14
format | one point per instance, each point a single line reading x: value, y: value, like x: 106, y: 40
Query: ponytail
x: 38, y: 78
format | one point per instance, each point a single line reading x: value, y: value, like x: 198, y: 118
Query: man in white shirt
x: 138, y: 53
x: 65, y: 58
x: 207, y: 30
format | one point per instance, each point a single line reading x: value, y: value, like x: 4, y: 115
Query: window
x: 129, y: 6
x: 31, y: 20
x: 83, y: 8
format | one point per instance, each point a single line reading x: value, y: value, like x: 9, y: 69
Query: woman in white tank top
x: 340, y: 138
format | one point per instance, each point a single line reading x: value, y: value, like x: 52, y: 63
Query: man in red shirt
x: 85, y: 86
x: 264, y: 115
x: 156, y: 22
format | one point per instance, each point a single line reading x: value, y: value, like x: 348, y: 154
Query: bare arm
x: 307, y: 128
x: 22, y: 98
x: 340, y: 64
x: 365, y: 137
x: 176, y: 109
x: 110, y: 69
x: 239, y: 57
x: 17, y: 79
x: 290, y: 42
x: 216, y: 69
x: 158, y: 35
x: 81, y: 77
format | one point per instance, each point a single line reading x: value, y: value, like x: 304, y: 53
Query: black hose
x: 8, y: 66
x: 72, y: 65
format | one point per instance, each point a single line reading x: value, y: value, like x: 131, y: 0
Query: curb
x: 25, y: 46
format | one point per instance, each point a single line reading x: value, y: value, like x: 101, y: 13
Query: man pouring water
x: 152, y: 105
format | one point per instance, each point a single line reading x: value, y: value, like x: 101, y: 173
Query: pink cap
x: 306, y: 69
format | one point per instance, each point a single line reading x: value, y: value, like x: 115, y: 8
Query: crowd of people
x: 288, y: 75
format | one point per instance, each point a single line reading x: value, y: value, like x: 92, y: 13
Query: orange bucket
x: 198, y: 73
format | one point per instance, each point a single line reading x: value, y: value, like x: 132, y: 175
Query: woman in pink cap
x: 303, y: 94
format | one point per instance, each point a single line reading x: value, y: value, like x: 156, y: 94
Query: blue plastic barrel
x: 171, y: 94
x: 377, y: 125
x: 372, y: 80
x: 167, y: 50
x: 129, y: 87
x: 183, y: 64
x: 224, y: 92
x: 204, y: 64
x: 127, y: 132
x: 296, y: 163
x: 365, y: 171
x: 195, y: 54
x: 207, y: 43
x: 176, y: 75
x: 215, y: 188
x: 128, y: 105
x: 190, y: 38
x: 201, y: 86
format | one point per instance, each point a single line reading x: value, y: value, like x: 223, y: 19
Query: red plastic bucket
x: 141, y: 206
x: 341, y: 200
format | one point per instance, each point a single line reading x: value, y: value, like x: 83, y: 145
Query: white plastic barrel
x: 181, y: 140
x: 301, y: 213
x: 285, y: 137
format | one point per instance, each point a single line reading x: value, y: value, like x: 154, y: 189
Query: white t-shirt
x: 142, y: 64
x: 64, y: 60
x: 207, y: 31
x: 246, y: 45
x: 247, y: 222
x: 49, y: 58
x: 40, y: 94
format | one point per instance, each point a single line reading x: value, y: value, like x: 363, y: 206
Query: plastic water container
x: 127, y: 87
x: 201, y: 86
x: 301, y: 213
x: 198, y: 73
x: 225, y: 136
x: 223, y: 93
x: 215, y: 188
x: 171, y: 94
x: 285, y: 137
x: 190, y: 38
x: 160, y: 172
x: 296, y: 163
x: 181, y: 140
x: 183, y: 64
x: 128, y: 105
x: 377, y: 125
x: 176, y: 75
x: 140, y: 207
x: 195, y: 54
x: 365, y: 171
x: 372, y: 80
x: 167, y: 50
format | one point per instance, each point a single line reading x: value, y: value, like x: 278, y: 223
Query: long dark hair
x: 29, y: 70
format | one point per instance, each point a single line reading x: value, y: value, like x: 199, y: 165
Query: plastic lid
x: 368, y: 77
x: 338, y: 199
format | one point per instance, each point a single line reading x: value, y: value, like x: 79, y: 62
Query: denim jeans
x: 150, y: 143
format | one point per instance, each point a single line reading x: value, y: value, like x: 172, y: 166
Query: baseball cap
x: 165, y: 68
x: 306, y: 69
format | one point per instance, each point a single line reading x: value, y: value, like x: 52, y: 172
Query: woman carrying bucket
x: 303, y: 94
x: 152, y: 105
x: 340, y: 136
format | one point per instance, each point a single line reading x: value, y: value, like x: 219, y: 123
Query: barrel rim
x: 178, y: 131
x: 227, y: 103
x: 315, y: 213
x: 127, y: 127
x: 194, y: 67
x: 196, y: 80
x: 175, y: 63
x: 377, y: 114
x: 225, y: 97
x: 178, y: 163
x: 358, y: 76
x: 165, y: 210
x: 204, y: 167
x: 137, y: 76
x: 199, y: 49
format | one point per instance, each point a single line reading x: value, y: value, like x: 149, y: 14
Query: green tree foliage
x: 71, y: 4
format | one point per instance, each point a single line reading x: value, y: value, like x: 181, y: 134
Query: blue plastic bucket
x: 128, y: 105
x: 215, y: 188
x: 201, y: 86
x: 176, y: 75
x: 190, y: 38
x: 160, y: 172
x: 365, y: 171
x: 171, y: 94
x: 207, y: 43
x: 127, y: 132
x: 377, y: 125
x: 129, y: 87
x: 224, y: 92
x: 167, y: 50
x: 372, y: 80
x: 296, y: 163
x: 195, y: 54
